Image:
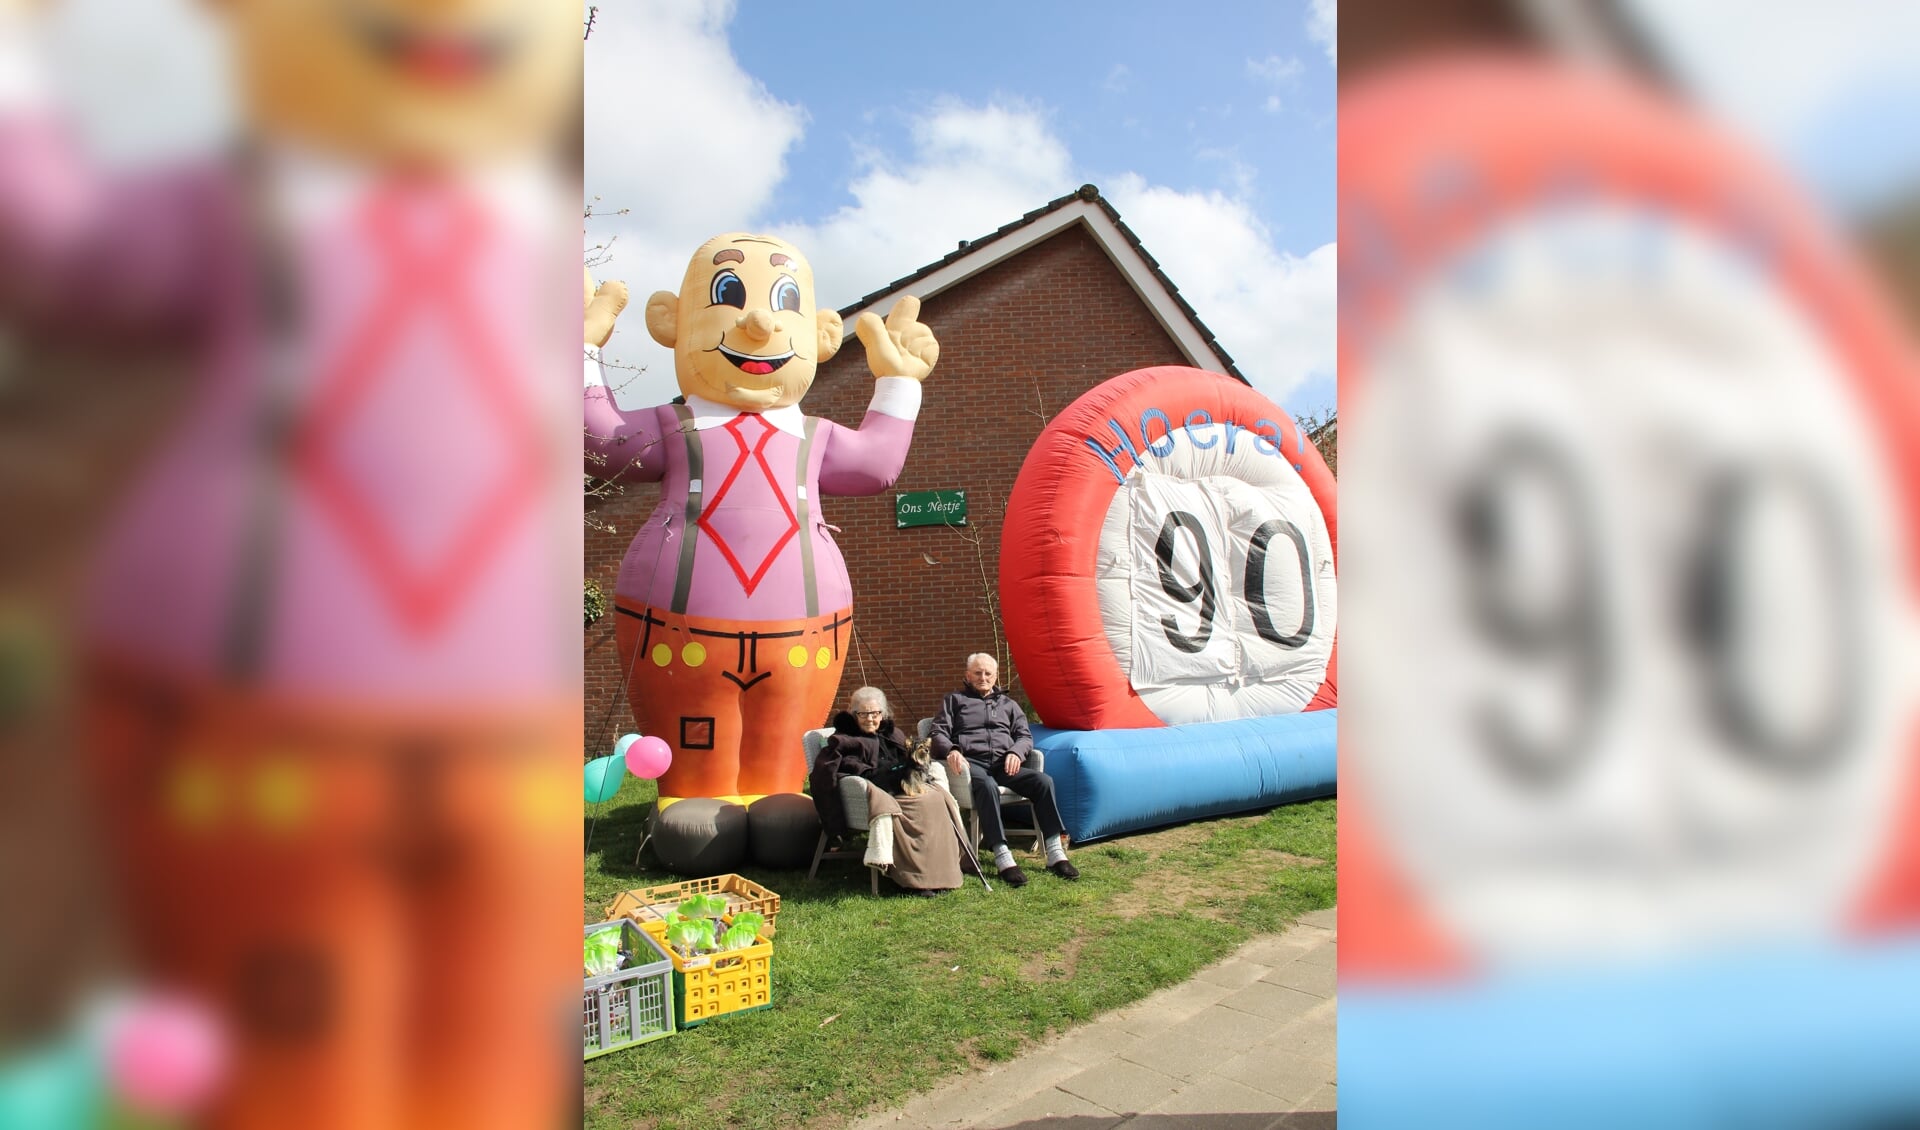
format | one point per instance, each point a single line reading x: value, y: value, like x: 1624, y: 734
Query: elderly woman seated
x: 909, y: 808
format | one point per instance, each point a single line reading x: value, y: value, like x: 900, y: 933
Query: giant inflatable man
x: 734, y: 608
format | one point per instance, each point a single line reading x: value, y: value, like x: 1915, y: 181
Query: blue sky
x: 877, y: 138
x: 1120, y: 91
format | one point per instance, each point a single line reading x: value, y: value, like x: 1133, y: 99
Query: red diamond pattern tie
x: 752, y: 454
x: 431, y: 280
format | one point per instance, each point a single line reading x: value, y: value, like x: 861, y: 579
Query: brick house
x: 1028, y: 318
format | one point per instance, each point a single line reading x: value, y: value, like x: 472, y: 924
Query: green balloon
x: 605, y: 775
x: 56, y: 1086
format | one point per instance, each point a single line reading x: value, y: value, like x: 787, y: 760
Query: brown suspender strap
x: 250, y: 614
x: 683, y: 578
x: 804, y: 512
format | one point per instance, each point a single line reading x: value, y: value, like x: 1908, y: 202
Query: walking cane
x: 966, y: 846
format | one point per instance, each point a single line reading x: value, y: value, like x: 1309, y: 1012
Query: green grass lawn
x: 875, y: 999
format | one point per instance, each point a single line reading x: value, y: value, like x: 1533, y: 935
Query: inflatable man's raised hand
x: 733, y: 601
x: 332, y: 696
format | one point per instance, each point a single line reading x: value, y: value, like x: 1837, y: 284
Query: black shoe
x: 1064, y: 869
x: 1013, y: 876
x: 968, y: 866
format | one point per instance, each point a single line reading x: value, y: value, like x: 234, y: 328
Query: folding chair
x: 853, y: 796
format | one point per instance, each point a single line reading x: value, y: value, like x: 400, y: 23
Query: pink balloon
x: 165, y: 1057
x: 649, y: 757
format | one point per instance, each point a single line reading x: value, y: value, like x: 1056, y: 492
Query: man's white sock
x: 1002, y: 857
x: 1056, y: 851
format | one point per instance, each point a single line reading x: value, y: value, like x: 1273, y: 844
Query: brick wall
x: 1018, y: 343
x: 622, y: 508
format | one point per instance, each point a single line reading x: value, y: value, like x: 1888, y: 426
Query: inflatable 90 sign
x: 1168, y: 558
x: 1167, y: 580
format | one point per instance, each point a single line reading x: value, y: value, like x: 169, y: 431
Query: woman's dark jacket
x: 880, y: 758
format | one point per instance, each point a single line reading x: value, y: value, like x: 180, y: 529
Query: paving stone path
x: 1247, y: 1044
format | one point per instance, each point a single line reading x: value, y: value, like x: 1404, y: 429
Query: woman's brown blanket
x: 925, y: 839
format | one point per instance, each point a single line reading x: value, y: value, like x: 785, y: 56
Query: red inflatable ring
x: 1171, y: 528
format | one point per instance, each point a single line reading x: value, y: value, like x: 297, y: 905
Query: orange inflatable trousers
x: 376, y: 907
x: 732, y: 697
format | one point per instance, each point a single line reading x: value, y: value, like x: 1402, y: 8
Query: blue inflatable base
x: 1114, y: 781
x: 1821, y: 1033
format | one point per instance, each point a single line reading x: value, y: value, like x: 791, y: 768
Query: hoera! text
x: 1202, y: 432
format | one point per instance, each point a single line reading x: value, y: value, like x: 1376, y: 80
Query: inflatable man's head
x: 744, y: 329
x: 410, y: 81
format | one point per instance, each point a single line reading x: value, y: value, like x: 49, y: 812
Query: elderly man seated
x: 982, y: 734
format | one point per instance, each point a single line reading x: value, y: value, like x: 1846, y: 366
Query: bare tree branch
x: 1041, y: 412
x: 1324, y: 432
x: 601, y: 253
x: 989, y: 604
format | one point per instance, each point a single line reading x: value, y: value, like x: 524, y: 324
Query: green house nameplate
x: 930, y: 508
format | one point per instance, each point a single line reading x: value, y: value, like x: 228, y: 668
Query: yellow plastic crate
x: 651, y: 904
x: 714, y: 985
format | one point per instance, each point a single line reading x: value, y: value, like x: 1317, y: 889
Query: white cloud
x: 1238, y: 172
x: 971, y: 169
x: 1272, y: 310
x: 1323, y: 26
x: 1118, y: 79
x: 686, y: 141
x: 1275, y: 72
x: 1274, y: 69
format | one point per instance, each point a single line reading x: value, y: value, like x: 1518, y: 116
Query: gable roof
x: 1085, y: 207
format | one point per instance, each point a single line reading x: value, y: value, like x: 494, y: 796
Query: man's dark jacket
x: 984, y: 728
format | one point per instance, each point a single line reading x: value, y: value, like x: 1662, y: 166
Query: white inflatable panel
x: 1215, y: 578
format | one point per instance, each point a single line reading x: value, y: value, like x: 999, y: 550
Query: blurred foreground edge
x: 292, y: 684
x: 1630, y: 822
